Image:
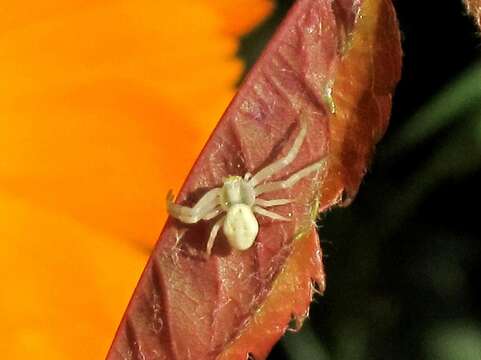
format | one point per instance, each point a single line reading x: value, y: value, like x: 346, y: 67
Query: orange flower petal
x: 60, y: 298
x: 104, y: 106
x: 99, y: 121
x: 240, y: 16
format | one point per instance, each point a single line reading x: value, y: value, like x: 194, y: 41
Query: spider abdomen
x: 240, y: 226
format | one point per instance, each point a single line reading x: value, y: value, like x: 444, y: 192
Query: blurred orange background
x: 104, y: 106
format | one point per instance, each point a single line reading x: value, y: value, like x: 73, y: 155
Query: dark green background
x: 403, y: 261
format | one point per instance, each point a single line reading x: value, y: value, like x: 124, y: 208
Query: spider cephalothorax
x: 238, y: 198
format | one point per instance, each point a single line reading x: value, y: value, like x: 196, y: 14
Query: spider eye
x: 232, y: 191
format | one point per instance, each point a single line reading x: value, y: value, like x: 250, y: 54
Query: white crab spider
x: 238, y: 198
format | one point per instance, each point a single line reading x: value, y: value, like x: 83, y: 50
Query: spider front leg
x: 274, y: 202
x: 290, y: 181
x: 273, y: 168
x: 204, y: 208
x: 280, y: 185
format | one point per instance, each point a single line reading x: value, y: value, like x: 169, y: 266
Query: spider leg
x: 290, y: 181
x: 275, y: 202
x: 213, y: 234
x: 212, y: 214
x: 191, y: 215
x: 273, y: 168
x: 269, y: 214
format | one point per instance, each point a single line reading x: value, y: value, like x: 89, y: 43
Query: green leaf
x: 458, y: 97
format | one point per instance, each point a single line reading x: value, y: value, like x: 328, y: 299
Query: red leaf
x: 333, y: 62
